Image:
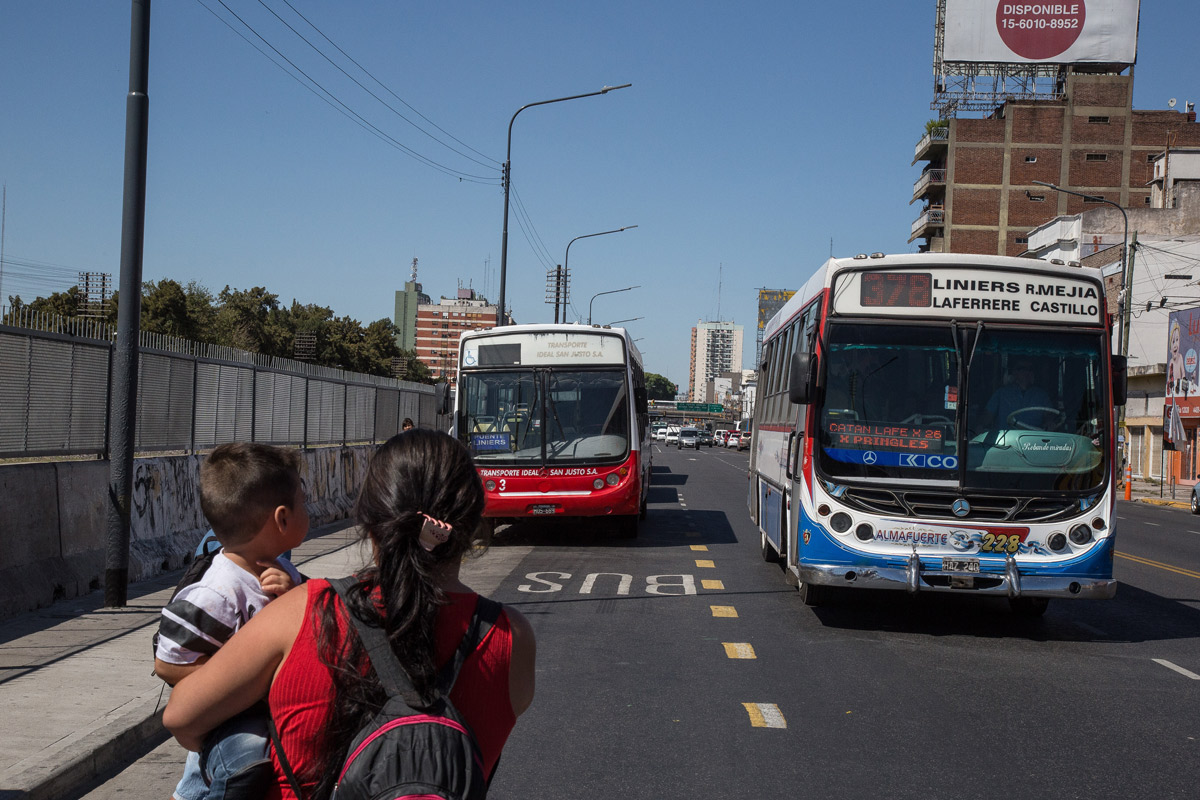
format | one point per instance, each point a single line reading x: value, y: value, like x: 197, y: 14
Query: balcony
x: 935, y: 178
x: 929, y: 223
x: 935, y: 141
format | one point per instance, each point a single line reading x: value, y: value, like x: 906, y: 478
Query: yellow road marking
x: 765, y: 715
x: 704, y: 563
x: 723, y: 611
x: 700, y: 548
x: 738, y: 650
x: 1160, y: 565
x: 714, y: 585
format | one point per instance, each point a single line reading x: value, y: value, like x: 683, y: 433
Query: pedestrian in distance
x: 407, y: 425
x: 253, y: 497
x: 420, y: 508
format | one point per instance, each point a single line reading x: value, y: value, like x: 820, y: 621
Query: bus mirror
x: 442, y: 397
x: 639, y: 400
x: 800, y: 378
x: 1120, y: 380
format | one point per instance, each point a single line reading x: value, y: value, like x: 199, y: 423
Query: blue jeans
x: 235, y: 763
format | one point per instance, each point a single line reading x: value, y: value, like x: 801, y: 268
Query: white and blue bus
x: 940, y: 422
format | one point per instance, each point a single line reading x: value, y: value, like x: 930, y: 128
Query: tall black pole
x: 123, y: 403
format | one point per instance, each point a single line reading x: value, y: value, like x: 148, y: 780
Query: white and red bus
x: 556, y: 418
x: 940, y: 422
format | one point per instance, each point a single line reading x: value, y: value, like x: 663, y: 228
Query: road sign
x: 707, y: 408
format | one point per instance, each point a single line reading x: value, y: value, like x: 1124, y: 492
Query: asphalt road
x: 681, y: 665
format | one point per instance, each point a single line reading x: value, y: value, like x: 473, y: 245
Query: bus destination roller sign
x: 970, y: 294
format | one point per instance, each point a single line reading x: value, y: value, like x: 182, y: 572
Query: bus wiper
x: 975, y: 346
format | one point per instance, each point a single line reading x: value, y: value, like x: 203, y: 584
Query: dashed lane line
x: 728, y: 612
x: 739, y: 650
x: 1184, y: 672
x: 765, y: 715
x: 704, y: 563
x: 700, y: 548
x: 715, y: 586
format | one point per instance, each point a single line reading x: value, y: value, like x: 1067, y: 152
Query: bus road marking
x: 765, y: 715
x: 716, y: 586
x: 724, y: 611
x: 700, y: 548
x: 1147, y: 562
x: 1185, y: 673
x: 704, y: 563
x: 1152, y: 524
x: 738, y: 650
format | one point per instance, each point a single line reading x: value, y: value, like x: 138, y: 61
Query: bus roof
x: 822, y: 278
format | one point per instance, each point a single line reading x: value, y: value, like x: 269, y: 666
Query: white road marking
x: 1185, y: 673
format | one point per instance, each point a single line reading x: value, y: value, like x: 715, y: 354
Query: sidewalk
x: 1156, y: 494
x: 76, y: 686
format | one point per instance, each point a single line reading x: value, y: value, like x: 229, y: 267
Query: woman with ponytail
x: 419, y: 509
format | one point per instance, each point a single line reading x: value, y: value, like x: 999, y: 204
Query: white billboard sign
x: 1064, y: 32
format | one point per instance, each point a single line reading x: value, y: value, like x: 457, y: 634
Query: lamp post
x: 1126, y: 298
x: 613, y: 291
x: 506, y: 179
x: 567, y: 260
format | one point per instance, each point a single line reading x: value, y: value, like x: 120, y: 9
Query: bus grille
x: 937, y: 505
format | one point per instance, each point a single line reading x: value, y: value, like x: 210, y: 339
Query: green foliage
x: 934, y: 124
x: 659, y: 388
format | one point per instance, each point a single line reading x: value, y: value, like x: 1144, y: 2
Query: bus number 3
x: 1000, y: 543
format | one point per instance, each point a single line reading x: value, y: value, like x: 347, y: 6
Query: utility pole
x: 123, y: 409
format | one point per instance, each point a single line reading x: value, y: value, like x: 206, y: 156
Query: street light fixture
x: 597, y: 294
x: 619, y: 321
x: 1126, y: 298
x: 567, y: 258
x: 506, y: 179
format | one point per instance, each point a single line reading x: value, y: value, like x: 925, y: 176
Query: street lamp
x: 619, y: 321
x: 597, y: 294
x: 506, y: 178
x: 1126, y: 298
x: 566, y: 263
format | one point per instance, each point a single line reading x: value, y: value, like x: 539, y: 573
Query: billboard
x: 769, y: 303
x: 1093, y: 31
x: 1183, y: 351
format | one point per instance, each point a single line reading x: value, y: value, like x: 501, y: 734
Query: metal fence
x: 54, y: 394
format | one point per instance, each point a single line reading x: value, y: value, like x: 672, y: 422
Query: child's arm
x: 174, y: 673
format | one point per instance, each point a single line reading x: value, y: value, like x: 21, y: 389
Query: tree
x: 659, y: 388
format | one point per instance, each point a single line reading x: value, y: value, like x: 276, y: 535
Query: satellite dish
x: 1171, y: 102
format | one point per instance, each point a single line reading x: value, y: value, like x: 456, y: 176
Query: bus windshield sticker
x: 951, y: 398
x: 490, y: 442
x: 884, y: 437
x: 884, y: 458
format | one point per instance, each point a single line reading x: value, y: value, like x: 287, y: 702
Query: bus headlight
x: 1081, y: 534
x: 1057, y: 542
x: 490, y: 485
x: 613, y: 479
x: 840, y: 522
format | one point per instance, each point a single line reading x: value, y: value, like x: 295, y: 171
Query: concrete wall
x: 53, y: 519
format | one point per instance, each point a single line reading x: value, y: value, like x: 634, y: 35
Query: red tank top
x: 302, y: 692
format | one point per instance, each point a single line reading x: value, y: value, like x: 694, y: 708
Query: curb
x: 77, y: 760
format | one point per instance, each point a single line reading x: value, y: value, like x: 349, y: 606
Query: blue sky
x: 754, y: 135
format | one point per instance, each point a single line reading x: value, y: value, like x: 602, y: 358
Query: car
x: 688, y: 437
x: 672, y: 436
x: 1196, y: 499
x: 706, y: 438
x: 660, y: 434
x: 720, y: 437
x: 743, y: 442
x: 732, y: 439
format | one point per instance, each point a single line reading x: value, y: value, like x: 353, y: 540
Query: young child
x: 252, y: 496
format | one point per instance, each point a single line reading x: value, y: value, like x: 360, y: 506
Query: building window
x: 1030, y: 159
x: 1097, y: 120
x: 1146, y: 199
x: 1151, y: 158
x: 1022, y: 240
x: 1036, y: 198
x: 1096, y: 157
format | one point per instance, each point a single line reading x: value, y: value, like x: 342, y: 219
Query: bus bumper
x: 915, y: 577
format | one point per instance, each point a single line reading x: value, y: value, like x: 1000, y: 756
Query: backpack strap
x: 391, y: 675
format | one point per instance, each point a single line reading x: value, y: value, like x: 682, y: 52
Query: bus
x: 557, y: 420
x: 940, y: 423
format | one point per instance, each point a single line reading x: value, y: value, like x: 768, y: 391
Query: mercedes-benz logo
x: 960, y: 507
x: 869, y: 457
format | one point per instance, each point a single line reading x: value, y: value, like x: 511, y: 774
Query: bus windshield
x: 545, y: 417
x: 1032, y: 416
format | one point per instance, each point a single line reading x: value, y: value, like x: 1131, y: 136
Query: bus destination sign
x: 543, y: 349
x: 970, y: 294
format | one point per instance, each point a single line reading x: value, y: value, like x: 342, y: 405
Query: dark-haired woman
x: 419, y: 508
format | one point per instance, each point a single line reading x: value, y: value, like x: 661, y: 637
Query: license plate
x: 553, y: 509
x: 960, y: 565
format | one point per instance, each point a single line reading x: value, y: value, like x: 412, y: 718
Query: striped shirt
x: 205, y: 614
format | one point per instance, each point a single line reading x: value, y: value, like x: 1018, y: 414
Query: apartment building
x: 716, y: 349
x: 439, y: 325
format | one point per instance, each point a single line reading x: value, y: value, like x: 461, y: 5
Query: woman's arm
x: 238, y: 675
x: 521, y: 662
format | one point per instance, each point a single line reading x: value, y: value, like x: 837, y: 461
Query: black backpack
x: 409, y: 749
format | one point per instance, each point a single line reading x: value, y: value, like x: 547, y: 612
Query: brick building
x: 977, y: 191
x: 440, y: 324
